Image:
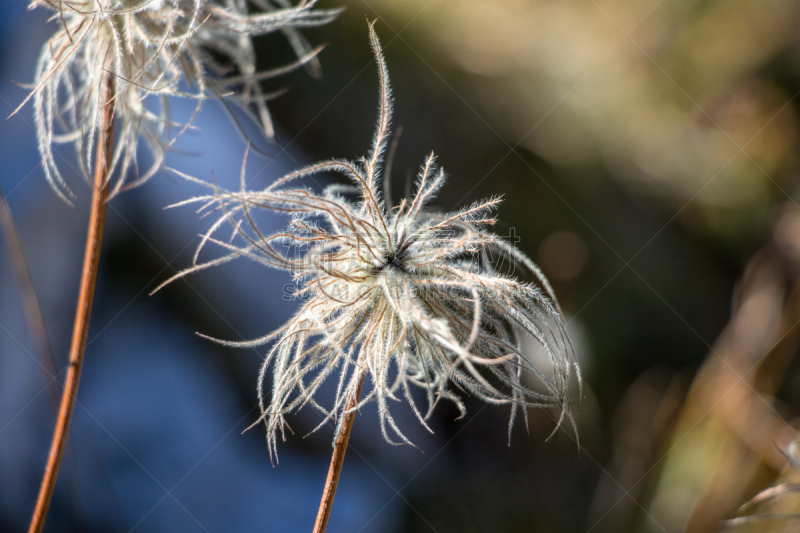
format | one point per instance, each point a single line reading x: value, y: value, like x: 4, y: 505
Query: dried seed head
x: 403, y: 296
x: 152, y: 49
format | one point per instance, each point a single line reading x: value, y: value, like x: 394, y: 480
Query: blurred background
x: 647, y: 154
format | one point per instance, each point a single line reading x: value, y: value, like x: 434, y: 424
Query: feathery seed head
x: 404, y: 296
x: 148, y: 48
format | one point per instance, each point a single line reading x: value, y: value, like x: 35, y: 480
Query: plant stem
x: 94, y: 238
x: 30, y: 303
x: 337, y: 460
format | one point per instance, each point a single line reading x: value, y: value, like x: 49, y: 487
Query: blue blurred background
x: 647, y: 152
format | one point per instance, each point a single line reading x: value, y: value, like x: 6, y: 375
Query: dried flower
x: 404, y: 296
x: 150, y: 47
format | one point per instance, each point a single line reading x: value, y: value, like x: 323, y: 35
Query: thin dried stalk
x: 83, y: 311
x: 30, y: 303
x: 337, y: 461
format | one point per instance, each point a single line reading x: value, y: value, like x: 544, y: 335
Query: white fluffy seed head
x: 405, y: 297
x: 151, y: 50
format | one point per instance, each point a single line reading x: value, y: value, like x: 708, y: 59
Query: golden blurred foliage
x: 724, y: 442
x: 675, y: 99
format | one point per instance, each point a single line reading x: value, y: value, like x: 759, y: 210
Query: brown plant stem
x: 94, y: 238
x: 30, y: 303
x: 337, y: 460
